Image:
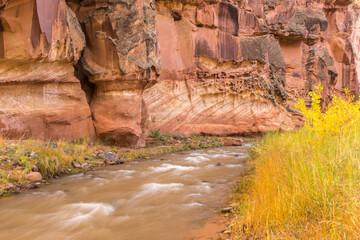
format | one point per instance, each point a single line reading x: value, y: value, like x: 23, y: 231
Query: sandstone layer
x: 239, y: 67
x: 116, y: 69
x: 39, y: 94
x: 119, y: 61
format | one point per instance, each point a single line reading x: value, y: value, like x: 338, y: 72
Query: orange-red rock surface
x: 39, y: 94
x: 239, y: 66
x: 116, y: 69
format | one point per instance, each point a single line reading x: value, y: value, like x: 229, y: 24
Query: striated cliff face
x: 39, y: 94
x: 70, y: 70
x: 354, y: 10
x: 119, y: 61
x: 239, y: 66
x: 117, y: 68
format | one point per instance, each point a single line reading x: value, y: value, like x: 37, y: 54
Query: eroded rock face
x: 239, y: 67
x: 40, y: 96
x: 354, y: 10
x: 117, y: 68
x: 120, y: 58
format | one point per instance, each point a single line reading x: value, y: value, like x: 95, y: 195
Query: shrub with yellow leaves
x: 342, y: 114
x: 306, y: 183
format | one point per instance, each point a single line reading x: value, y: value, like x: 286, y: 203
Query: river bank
x: 28, y: 164
x: 304, y: 184
x: 163, y: 197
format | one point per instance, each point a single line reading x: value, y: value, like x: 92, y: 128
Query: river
x: 161, y: 198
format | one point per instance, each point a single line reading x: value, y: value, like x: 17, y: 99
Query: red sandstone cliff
x: 115, y: 68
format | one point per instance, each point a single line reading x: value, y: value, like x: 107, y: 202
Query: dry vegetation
x: 304, y: 184
x: 53, y: 159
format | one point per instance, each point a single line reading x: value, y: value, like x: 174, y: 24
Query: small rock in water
x: 219, y: 164
x: 34, y: 176
x: 30, y: 186
x: 226, y: 210
x: 109, y: 163
x: 120, y: 161
x: 16, y: 191
x: 111, y: 158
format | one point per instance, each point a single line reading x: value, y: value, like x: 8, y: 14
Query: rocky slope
x: 117, y: 68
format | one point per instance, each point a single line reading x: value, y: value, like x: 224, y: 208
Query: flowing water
x: 161, y: 198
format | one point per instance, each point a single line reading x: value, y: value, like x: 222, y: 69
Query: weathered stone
x: 120, y: 58
x: 183, y: 67
x: 34, y: 176
x: 9, y: 186
x: 39, y: 95
x: 306, y: 21
x: 112, y: 157
x: 76, y: 164
x: 229, y: 141
x: 226, y: 210
x: 178, y: 137
x: 85, y: 165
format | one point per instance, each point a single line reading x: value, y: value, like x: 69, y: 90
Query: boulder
x: 34, y: 176
x: 111, y: 158
x: 229, y: 141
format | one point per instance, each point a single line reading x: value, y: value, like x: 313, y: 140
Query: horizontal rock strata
x: 116, y: 69
x: 39, y: 94
x: 239, y: 67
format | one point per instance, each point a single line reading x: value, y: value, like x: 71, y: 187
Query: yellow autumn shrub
x: 343, y: 114
x: 306, y: 183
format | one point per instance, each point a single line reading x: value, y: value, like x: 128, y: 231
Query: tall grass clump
x: 306, y: 184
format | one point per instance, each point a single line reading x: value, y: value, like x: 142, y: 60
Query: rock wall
x: 236, y: 67
x: 354, y: 10
x: 115, y: 69
x: 39, y: 94
x: 119, y: 61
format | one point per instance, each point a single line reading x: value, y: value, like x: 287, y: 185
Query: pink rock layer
x: 118, y: 69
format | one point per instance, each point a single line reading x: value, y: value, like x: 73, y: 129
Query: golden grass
x: 306, y: 184
x: 53, y: 159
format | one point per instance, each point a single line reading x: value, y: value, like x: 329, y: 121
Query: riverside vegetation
x: 25, y: 164
x: 304, y: 184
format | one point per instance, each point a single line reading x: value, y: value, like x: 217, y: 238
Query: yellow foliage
x: 342, y: 114
x: 306, y: 184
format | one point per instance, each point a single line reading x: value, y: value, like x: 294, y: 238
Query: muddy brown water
x: 162, y: 198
